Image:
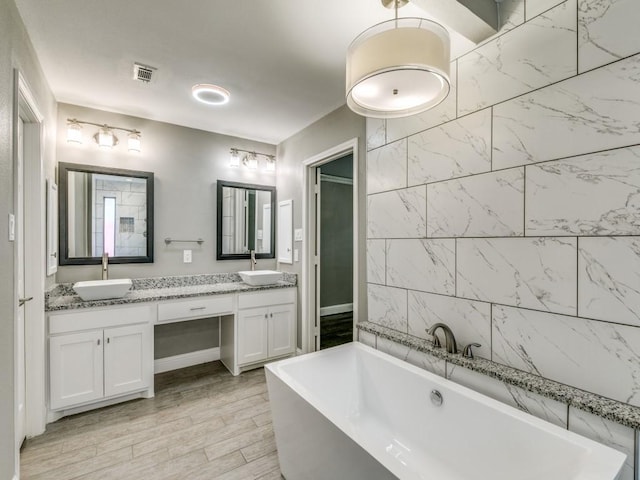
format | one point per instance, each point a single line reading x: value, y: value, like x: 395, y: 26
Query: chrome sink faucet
x: 450, y: 340
x: 105, y: 266
x: 253, y: 259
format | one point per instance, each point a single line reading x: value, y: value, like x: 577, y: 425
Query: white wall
x: 510, y: 211
x: 15, y: 52
x: 186, y: 164
x: 335, y: 128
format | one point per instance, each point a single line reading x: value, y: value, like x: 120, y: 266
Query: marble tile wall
x: 511, y: 211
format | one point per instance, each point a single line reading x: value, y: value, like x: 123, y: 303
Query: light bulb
x: 74, y: 132
x: 234, y: 159
x: 134, y: 142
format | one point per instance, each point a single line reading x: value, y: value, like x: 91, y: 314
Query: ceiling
x: 282, y: 60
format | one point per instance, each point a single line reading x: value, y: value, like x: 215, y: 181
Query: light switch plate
x: 298, y: 234
x: 12, y: 227
x: 296, y: 255
x: 187, y: 256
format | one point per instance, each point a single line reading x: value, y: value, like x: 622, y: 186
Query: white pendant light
x: 398, y: 68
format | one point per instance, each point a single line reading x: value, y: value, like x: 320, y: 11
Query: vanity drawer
x: 93, y: 318
x: 277, y: 296
x: 195, y: 308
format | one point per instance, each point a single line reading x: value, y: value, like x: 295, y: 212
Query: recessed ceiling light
x: 210, y: 94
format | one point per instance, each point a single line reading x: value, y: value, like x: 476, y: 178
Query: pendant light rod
x: 392, y: 3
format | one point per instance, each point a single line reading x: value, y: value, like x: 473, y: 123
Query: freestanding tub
x: 352, y: 412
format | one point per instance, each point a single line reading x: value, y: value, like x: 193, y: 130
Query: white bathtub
x: 352, y: 412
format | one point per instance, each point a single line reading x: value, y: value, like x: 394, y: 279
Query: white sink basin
x: 102, y: 289
x: 260, y: 277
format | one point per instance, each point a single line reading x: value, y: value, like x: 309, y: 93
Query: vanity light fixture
x: 74, y: 131
x: 250, y: 159
x: 104, y: 137
x: 271, y: 163
x: 234, y: 159
x: 210, y: 94
x: 399, y: 67
x: 134, y: 142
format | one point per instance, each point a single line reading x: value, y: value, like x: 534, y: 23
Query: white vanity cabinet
x: 265, y: 328
x: 100, y: 354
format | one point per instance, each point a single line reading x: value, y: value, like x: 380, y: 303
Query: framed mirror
x: 246, y: 217
x: 104, y: 210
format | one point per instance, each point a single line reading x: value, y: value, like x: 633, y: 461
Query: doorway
x: 29, y: 265
x: 330, y: 247
x: 334, y: 236
x: 20, y: 381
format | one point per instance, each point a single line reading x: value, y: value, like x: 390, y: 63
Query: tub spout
x: 450, y: 340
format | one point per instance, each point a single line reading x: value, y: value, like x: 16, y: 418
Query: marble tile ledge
x: 607, y: 408
x: 62, y: 297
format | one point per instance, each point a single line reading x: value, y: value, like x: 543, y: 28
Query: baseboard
x: 298, y: 351
x: 186, y: 360
x: 335, y: 309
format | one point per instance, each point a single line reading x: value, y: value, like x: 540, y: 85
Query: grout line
x: 512, y: 237
x: 491, y: 331
x: 577, y: 276
x: 518, y: 307
x: 524, y: 201
x: 455, y: 267
x: 534, y: 164
x: 491, y: 141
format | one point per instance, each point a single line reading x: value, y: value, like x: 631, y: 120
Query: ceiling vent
x: 143, y: 73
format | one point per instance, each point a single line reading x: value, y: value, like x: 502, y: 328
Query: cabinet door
x: 282, y: 330
x: 75, y: 362
x: 252, y: 335
x: 127, y: 359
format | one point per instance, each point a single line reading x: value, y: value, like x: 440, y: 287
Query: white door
x: 126, y: 364
x: 281, y: 330
x: 76, y: 368
x: 252, y: 335
x: 20, y: 293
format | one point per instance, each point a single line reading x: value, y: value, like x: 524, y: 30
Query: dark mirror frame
x: 63, y: 170
x: 246, y: 186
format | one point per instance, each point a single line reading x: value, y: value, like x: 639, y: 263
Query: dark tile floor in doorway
x: 202, y: 424
x: 336, y: 329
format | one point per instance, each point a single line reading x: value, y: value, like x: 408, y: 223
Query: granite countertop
x: 62, y: 296
x: 618, y: 412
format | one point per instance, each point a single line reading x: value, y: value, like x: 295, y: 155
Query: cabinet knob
x: 108, y: 340
x: 266, y: 315
x: 98, y: 341
x: 271, y: 315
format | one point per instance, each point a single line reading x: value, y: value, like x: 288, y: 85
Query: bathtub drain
x: 436, y: 398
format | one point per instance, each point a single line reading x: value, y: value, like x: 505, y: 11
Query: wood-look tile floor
x: 202, y: 424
